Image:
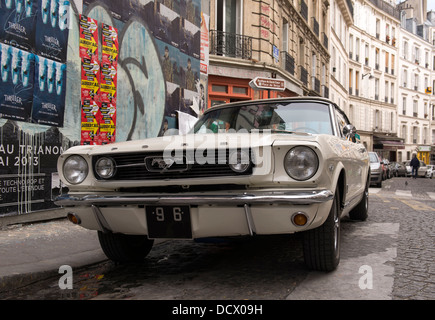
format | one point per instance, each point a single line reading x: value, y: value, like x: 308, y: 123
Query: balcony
x: 303, y: 75
x: 230, y: 45
x: 288, y: 62
x: 304, y: 10
x: 315, y: 26
x: 325, y: 40
x: 316, y: 84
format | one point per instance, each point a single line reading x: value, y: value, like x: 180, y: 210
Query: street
x: 389, y: 256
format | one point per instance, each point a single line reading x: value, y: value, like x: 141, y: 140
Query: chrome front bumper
x: 257, y: 197
x: 98, y: 205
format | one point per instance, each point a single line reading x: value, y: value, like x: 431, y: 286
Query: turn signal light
x: 73, y: 218
x: 299, y: 219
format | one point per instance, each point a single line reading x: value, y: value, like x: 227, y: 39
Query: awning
x: 387, y: 142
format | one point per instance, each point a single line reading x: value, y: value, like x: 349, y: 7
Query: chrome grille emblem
x: 162, y: 165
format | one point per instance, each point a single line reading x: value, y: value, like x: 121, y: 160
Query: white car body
x: 430, y: 171
x: 421, y: 172
x: 212, y: 200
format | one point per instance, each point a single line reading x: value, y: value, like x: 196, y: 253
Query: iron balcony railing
x: 288, y: 62
x: 303, y: 75
x: 230, y: 45
x: 304, y: 10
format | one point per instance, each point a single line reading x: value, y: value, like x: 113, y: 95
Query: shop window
x: 240, y: 90
x: 219, y: 88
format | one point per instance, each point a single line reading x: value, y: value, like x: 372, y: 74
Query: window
x: 393, y: 61
x: 377, y: 119
x: 387, y: 61
x: 228, y: 22
x: 405, y: 138
x: 285, y: 35
x: 376, y: 89
x: 229, y: 16
x: 405, y: 50
x: 415, y: 135
x: 415, y: 108
x: 404, y: 106
x: 405, y: 77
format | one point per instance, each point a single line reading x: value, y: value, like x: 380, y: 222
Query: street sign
x: 267, y: 84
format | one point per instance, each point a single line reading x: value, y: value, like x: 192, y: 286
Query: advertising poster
x: 49, y: 92
x: 51, y: 39
x: 16, y: 84
x: 88, y: 37
x: 90, y: 80
x: 17, y: 23
x: 108, y: 85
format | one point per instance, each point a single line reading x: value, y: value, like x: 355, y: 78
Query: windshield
x: 373, y: 158
x: 307, y: 117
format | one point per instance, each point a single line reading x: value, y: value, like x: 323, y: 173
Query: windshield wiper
x: 288, y: 131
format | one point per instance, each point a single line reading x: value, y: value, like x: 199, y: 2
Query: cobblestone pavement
x: 265, y: 268
x: 411, y: 203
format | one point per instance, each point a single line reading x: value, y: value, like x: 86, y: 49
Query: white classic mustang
x: 263, y: 167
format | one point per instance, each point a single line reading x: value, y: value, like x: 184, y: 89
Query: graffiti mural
x: 158, y: 79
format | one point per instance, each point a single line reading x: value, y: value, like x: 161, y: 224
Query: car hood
x: 194, y: 141
x: 374, y: 165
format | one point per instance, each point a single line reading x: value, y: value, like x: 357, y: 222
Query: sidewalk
x: 35, y: 251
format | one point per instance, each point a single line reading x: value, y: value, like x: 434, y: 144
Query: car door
x: 355, y: 159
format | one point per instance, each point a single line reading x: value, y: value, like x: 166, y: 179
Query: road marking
x: 416, y: 205
x: 370, y: 245
x: 431, y: 195
x: 404, y: 193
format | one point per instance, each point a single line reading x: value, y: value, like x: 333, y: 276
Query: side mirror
x: 349, y: 132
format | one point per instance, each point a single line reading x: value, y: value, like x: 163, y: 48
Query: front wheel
x: 322, y: 244
x: 120, y: 247
x: 360, y: 212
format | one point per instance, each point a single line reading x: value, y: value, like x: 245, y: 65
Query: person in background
x: 415, y: 164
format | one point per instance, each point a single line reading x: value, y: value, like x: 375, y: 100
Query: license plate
x: 169, y: 222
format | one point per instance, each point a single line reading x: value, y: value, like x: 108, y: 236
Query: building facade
x: 373, y: 69
x: 341, y: 86
x: 282, y: 39
x: 416, y: 77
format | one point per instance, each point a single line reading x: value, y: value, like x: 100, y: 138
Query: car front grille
x: 188, y: 164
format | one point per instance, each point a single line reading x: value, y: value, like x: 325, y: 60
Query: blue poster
x: 16, y: 84
x: 17, y: 23
x: 49, y: 93
x: 53, y: 19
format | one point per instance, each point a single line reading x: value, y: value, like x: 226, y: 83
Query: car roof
x: 274, y: 100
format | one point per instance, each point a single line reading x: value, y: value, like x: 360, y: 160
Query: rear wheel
x: 322, y: 245
x: 120, y: 247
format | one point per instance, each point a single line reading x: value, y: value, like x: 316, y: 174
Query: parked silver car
x: 376, y: 170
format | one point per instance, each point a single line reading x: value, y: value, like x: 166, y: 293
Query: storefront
x: 423, y: 153
x: 387, y: 146
x: 226, y: 89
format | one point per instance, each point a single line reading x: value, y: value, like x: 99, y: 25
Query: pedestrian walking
x: 415, y: 164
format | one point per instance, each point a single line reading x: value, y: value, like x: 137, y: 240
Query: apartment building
x: 373, y: 68
x: 416, y: 80
x: 341, y: 50
x: 281, y: 39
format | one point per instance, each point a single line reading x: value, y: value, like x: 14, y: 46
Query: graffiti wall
x: 157, y: 74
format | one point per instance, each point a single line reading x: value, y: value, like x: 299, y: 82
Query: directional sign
x: 267, y: 84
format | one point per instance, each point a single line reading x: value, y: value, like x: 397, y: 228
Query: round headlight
x: 75, y: 169
x: 301, y: 163
x: 239, y: 161
x: 105, y: 168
